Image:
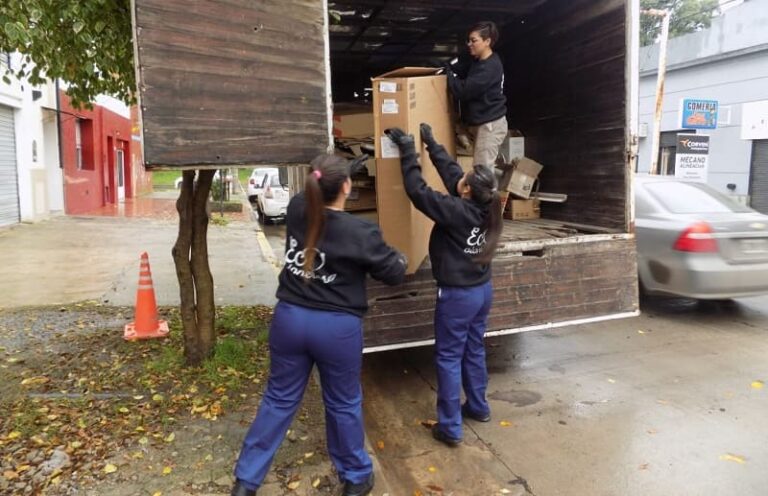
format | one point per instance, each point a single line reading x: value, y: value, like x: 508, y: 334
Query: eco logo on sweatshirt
x: 295, y: 259
x: 475, y: 242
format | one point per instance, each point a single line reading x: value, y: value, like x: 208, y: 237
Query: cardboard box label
x: 388, y: 87
x: 513, y: 147
x: 390, y: 106
x: 388, y: 148
x: 523, y: 209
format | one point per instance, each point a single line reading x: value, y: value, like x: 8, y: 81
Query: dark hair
x: 486, y: 29
x: 321, y: 187
x: 483, y: 186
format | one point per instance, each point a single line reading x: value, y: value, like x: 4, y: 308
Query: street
x: 670, y: 402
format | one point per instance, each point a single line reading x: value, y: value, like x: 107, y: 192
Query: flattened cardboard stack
x: 353, y: 136
x: 405, y: 98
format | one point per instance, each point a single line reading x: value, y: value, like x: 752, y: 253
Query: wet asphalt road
x: 668, y: 403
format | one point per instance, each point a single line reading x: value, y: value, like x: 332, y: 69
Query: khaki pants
x: 488, y: 138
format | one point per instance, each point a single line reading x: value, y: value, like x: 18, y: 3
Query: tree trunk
x: 190, y: 255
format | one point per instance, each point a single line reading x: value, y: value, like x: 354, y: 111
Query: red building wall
x: 103, y: 132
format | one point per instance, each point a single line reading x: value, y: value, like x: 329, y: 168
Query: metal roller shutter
x: 758, y: 178
x: 9, y: 186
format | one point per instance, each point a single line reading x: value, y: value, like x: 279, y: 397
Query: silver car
x: 695, y: 242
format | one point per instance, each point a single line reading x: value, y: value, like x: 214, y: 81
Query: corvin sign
x: 692, y: 158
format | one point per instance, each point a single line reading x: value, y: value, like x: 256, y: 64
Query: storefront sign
x: 698, y: 114
x: 692, y: 157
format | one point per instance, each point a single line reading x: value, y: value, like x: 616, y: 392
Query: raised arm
x: 441, y: 208
x: 450, y: 171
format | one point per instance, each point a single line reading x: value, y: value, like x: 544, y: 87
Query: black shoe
x: 241, y: 490
x: 443, y: 437
x: 467, y: 413
x: 359, y: 489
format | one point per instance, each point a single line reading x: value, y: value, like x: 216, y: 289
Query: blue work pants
x: 299, y: 338
x: 461, y: 317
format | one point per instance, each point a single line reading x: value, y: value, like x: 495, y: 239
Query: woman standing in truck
x: 477, y: 81
x: 463, y: 240
x: 318, y: 321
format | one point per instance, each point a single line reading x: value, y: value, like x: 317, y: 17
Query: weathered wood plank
x: 570, y: 103
x: 569, y: 281
x: 231, y: 82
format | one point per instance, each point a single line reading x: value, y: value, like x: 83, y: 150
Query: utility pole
x: 664, y: 14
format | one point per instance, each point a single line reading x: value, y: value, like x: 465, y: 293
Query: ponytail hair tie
x: 317, y: 174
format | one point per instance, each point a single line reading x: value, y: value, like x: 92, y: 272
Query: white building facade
x: 30, y: 176
x: 727, y: 63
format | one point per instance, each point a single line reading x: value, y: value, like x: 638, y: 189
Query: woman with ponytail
x: 467, y: 228
x: 318, y: 321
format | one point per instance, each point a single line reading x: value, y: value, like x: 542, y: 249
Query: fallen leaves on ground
x: 79, y: 392
x: 730, y: 457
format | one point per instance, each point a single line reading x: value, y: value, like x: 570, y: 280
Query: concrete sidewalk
x: 96, y: 257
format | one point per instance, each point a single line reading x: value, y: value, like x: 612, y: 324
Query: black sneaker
x: 241, y: 490
x: 443, y: 437
x: 466, y: 413
x: 359, y: 489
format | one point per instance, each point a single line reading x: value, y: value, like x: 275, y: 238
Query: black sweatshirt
x: 350, y: 248
x: 457, y: 235
x: 479, y: 86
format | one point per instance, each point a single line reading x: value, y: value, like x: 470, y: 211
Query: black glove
x: 448, y: 67
x: 426, y: 135
x: 404, y: 141
x: 357, y: 164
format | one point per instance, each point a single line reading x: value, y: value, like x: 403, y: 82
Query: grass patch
x: 234, y: 318
x: 218, y: 220
x: 165, y: 178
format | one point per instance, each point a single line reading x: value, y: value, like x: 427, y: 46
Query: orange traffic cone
x: 146, y: 325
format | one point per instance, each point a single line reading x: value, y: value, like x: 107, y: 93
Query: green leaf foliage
x: 86, y: 43
x: 686, y: 17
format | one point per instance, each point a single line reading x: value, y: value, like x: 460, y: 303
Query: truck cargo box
x: 241, y: 84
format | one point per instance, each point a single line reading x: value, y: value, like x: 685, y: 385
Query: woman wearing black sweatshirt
x: 318, y: 321
x: 477, y: 82
x: 467, y: 229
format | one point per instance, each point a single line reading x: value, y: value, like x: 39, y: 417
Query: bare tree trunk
x: 190, y: 255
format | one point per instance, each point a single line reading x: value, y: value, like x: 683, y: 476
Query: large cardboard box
x: 352, y: 121
x: 405, y: 98
x: 466, y: 162
x: 524, y: 176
